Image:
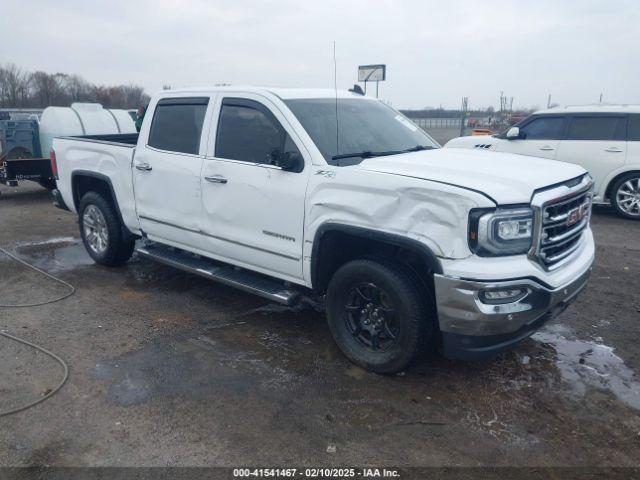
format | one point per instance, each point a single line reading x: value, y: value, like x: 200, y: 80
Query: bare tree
x: 42, y: 89
x: 78, y: 89
x: 134, y: 96
x: 100, y: 94
x: 46, y: 88
x: 15, y: 86
x: 3, y: 87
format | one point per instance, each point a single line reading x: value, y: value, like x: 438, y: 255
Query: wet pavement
x: 169, y: 369
x: 585, y: 365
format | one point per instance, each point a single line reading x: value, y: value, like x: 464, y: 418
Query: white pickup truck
x: 297, y: 192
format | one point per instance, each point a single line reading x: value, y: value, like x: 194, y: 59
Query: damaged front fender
x: 431, y: 213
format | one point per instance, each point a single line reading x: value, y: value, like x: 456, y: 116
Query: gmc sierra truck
x: 292, y: 193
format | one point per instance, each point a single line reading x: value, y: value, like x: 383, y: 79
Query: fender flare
x: 107, y: 181
x: 425, y: 253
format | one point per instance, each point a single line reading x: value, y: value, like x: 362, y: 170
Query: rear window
x: 597, y: 128
x: 177, y: 124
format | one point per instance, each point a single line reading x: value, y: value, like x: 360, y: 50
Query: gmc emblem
x: 577, y: 214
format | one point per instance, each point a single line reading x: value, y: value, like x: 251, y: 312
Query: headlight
x: 501, y: 232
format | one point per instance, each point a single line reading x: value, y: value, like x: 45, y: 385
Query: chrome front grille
x: 564, y: 214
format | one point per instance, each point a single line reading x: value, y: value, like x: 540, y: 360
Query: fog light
x: 502, y: 296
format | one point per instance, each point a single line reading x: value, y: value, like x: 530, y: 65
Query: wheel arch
x: 618, y: 176
x: 358, y: 242
x: 83, y: 181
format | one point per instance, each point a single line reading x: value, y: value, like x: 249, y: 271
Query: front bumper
x: 473, y: 330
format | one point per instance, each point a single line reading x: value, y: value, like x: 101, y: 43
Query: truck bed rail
x: 124, y: 139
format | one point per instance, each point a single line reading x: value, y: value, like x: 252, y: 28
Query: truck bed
x: 106, y: 156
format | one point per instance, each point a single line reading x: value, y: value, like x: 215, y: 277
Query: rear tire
x: 625, y: 196
x: 379, y: 316
x: 102, y: 232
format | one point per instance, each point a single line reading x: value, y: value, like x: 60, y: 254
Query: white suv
x: 604, y: 139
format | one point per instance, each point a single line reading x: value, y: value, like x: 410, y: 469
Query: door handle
x: 216, y: 179
x: 613, y: 150
x: 547, y: 148
x: 144, y: 167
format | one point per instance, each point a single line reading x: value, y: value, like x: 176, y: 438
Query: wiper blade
x: 359, y: 154
x: 417, y: 148
x: 369, y: 154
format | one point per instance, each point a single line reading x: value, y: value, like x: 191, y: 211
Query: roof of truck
x: 595, y: 108
x: 283, y: 93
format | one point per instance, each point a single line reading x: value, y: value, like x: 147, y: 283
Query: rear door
x: 539, y: 137
x: 633, y: 140
x: 166, y: 170
x: 253, y: 211
x: 597, y: 142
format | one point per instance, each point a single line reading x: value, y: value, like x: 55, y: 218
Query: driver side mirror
x: 513, y: 133
x: 290, y: 161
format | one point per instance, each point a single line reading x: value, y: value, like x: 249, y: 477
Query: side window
x: 544, y: 128
x: 247, y: 131
x: 634, y: 128
x: 597, y: 128
x: 177, y: 124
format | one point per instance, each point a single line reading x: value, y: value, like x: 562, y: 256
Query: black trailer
x: 20, y: 154
x: 13, y: 170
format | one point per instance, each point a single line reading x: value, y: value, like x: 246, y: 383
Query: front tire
x: 625, y: 196
x: 101, y: 231
x: 379, y: 316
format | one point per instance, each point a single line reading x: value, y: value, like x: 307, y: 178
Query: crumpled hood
x: 505, y: 177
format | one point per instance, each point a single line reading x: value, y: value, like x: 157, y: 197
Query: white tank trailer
x: 78, y: 119
x: 82, y: 119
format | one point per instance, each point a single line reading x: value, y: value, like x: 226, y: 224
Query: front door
x: 253, y: 211
x: 166, y: 171
x: 540, y: 137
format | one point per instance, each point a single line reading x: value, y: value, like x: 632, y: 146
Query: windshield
x: 365, y: 127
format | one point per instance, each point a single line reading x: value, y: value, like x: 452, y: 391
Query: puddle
x: 56, y: 254
x: 285, y: 340
x: 157, y: 370
x: 142, y: 271
x: 274, y: 355
x: 584, y: 364
x: 196, y: 368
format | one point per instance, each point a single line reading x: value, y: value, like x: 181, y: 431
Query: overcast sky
x: 436, y: 52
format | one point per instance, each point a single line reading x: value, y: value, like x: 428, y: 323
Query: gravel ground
x: 167, y: 369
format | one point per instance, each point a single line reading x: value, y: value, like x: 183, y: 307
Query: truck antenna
x: 335, y: 86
